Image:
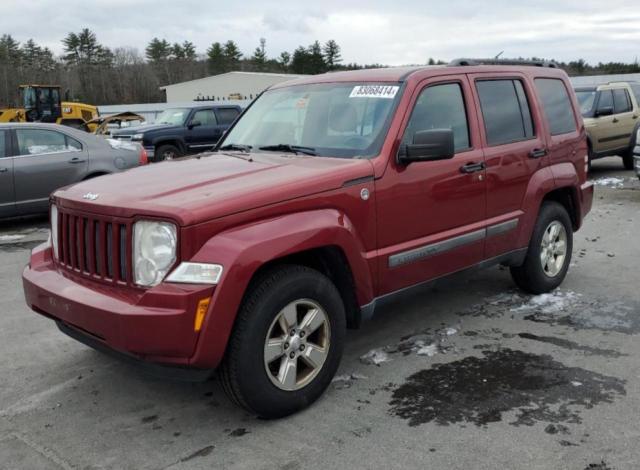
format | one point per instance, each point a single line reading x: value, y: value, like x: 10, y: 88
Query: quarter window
x: 440, y: 107
x: 621, y: 102
x: 3, y: 144
x: 505, y: 111
x: 636, y: 91
x: 556, y: 105
x: 41, y: 141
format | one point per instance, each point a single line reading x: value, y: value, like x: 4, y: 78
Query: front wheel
x: 287, y: 342
x: 167, y: 152
x: 549, y: 252
x: 627, y: 160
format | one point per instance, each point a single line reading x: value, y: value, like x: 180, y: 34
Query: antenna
x: 499, y: 54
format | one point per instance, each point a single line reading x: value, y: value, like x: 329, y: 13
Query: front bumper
x: 154, y: 325
x: 636, y: 159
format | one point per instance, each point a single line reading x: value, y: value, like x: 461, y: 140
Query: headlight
x: 137, y: 136
x: 154, y: 251
x: 54, y: 230
x: 196, y: 273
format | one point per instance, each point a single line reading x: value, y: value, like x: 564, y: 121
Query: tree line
x: 94, y: 73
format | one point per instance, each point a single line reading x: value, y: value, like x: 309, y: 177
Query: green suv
x: 611, y: 115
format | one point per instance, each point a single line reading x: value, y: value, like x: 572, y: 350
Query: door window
x: 636, y: 91
x: 621, y: 103
x: 606, y: 100
x: 227, y: 115
x: 41, y: 141
x: 440, y: 107
x: 206, y: 117
x: 505, y: 111
x: 556, y: 105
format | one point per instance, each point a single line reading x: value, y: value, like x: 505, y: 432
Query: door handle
x: 615, y: 120
x: 635, y: 116
x: 537, y: 153
x: 76, y: 160
x: 3, y: 170
x: 472, y: 167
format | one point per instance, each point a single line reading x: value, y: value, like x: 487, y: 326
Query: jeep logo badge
x: 90, y: 196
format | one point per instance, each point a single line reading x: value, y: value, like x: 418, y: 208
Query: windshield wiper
x: 290, y: 148
x: 240, y: 147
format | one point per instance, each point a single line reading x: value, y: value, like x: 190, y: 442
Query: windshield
x: 586, y: 100
x: 345, y: 120
x: 175, y: 116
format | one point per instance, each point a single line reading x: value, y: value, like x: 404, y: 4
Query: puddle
x: 567, y: 344
x: 480, y: 390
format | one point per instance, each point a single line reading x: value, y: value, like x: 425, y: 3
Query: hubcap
x: 297, y: 344
x: 554, y: 249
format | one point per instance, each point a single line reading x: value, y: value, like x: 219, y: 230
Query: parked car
x: 37, y: 159
x: 636, y: 153
x: 611, y: 113
x: 330, y: 195
x: 182, y: 131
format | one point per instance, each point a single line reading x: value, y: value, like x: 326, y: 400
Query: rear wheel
x: 627, y: 160
x: 549, y: 252
x: 287, y: 342
x: 167, y: 152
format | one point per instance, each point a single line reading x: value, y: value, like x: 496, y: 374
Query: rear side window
x: 556, y: 105
x: 440, y: 107
x: 505, y: 111
x: 41, y: 141
x: 3, y: 144
x: 636, y: 92
x: 621, y: 102
x: 227, y: 115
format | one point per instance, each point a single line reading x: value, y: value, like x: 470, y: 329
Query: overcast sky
x: 388, y: 32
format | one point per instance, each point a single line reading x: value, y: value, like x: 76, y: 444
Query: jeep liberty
x: 329, y: 196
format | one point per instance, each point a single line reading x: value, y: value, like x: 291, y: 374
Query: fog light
x: 201, y: 311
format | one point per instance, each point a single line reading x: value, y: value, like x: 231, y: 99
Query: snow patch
x: 609, y: 182
x: 375, y: 357
x: 122, y: 145
x: 553, y: 302
x: 10, y: 238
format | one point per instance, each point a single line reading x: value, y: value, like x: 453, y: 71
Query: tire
x: 166, y: 152
x: 534, y: 275
x: 253, y: 381
x: 589, y: 159
x: 627, y: 160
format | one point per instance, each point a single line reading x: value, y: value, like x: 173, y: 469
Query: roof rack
x: 470, y: 62
x: 620, y: 81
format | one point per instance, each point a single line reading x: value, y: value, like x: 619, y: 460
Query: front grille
x: 95, y: 247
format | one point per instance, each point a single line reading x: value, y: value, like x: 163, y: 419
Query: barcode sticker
x: 374, y: 91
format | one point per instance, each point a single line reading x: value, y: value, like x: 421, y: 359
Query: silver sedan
x: 37, y: 159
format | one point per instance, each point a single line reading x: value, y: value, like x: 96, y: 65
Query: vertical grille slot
x: 123, y: 253
x: 109, y: 241
x: 97, y: 250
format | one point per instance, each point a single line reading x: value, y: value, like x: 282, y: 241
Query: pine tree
x: 216, y: 59
x: 9, y: 50
x: 317, y: 63
x: 300, y: 61
x: 332, y: 55
x: 284, y: 60
x: 232, y: 55
x: 158, y: 50
x: 259, y: 57
x: 83, y: 49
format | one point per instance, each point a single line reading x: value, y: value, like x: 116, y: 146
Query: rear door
x: 624, y: 118
x: 226, y: 116
x: 7, y: 196
x: 203, y: 130
x: 604, y: 132
x: 46, y: 160
x: 514, y: 149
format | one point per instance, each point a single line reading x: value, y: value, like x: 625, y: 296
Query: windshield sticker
x: 374, y: 91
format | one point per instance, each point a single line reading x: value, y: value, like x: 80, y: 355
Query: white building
x: 238, y: 85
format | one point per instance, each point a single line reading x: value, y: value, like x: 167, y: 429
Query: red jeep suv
x: 330, y: 195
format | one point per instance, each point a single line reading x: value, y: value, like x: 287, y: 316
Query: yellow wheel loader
x: 43, y: 103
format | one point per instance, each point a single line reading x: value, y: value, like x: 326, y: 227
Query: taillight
x: 144, y: 158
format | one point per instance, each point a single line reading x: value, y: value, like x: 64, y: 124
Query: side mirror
x: 193, y: 124
x: 434, y: 144
x: 604, y: 111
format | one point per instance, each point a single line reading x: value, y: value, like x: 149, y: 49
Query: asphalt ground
x: 475, y: 375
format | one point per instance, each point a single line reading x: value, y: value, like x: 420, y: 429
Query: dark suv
x: 182, y: 131
x: 330, y: 195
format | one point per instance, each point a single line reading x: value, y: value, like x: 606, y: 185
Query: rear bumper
x: 156, y: 325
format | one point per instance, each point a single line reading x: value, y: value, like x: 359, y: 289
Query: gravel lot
x: 477, y: 375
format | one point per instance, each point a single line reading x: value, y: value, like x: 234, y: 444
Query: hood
x: 199, y: 189
x: 144, y: 128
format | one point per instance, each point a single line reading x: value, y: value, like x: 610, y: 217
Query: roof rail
x: 470, y: 62
x: 621, y: 81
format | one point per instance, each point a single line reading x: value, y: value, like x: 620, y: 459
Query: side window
x: 556, y: 105
x: 621, y: 102
x: 40, y: 141
x: 505, y: 111
x: 205, y: 117
x: 3, y: 144
x: 605, y: 100
x: 440, y: 107
x: 73, y: 144
x: 227, y: 115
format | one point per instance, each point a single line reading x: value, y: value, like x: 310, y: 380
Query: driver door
x: 431, y: 213
x: 203, y: 131
x: 7, y: 195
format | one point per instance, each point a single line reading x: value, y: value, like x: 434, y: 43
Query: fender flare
x: 540, y: 184
x: 243, y: 250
